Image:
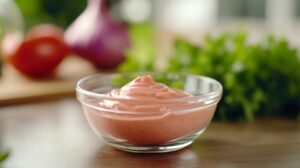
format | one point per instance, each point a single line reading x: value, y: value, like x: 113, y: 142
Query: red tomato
x: 38, y: 57
x: 45, y: 30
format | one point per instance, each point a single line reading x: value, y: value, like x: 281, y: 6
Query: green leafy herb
x: 260, y: 79
x: 140, y: 56
x: 3, y: 156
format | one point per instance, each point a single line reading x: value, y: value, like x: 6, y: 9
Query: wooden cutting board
x: 15, y: 88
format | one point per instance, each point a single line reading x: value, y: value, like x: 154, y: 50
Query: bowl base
x: 170, y: 146
x: 150, y: 148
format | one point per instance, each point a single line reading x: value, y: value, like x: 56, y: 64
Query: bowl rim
x: 211, y: 97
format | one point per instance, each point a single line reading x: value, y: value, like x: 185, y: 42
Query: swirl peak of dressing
x: 146, y: 88
x: 147, y: 95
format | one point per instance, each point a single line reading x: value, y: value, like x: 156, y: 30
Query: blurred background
x: 171, y: 14
x: 250, y: 46
x: 191, y: 14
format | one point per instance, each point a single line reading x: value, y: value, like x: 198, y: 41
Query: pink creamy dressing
x: 157, y: 116
x: 146, y: 96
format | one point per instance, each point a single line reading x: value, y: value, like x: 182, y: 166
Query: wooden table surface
x: 55, y: 135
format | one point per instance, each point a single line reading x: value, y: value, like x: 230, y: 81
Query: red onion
x: 95, y: 36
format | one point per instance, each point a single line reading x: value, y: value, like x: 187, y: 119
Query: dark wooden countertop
x: 55, y: 135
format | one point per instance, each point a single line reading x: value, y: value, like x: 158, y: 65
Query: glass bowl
x: 151, y: 131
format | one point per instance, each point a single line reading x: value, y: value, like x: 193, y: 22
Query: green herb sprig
x: 3, y: 156
x: 261, y: 79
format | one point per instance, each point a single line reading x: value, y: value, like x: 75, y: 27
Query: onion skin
x: 96, y: 37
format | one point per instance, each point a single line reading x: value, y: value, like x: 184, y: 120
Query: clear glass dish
x: 150, y: 132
